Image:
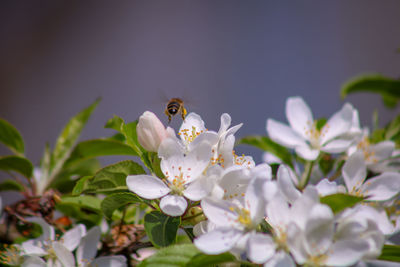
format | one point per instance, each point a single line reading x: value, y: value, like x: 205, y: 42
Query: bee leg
x: 183, y: 113
x: 168, y: 115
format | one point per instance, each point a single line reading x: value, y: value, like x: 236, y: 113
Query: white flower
x: 272, y: 250
x: 192, y: 132
x: 182, y: 173
x: 57, y: 251
x: 311, y: 240
x: 378, y: 188
x: 150, y: 131
x: 235, y: 221
x: 375, y: 155
x: 232, y: 183
x: 87, y: 250
x: 364, y: 223
x: 226, y: 156
x: 303, y: 134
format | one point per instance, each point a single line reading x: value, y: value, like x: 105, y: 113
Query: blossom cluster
x: 239, y: 197
x: 326, y: 194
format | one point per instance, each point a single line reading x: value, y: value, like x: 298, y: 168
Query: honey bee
x: 175, y: 106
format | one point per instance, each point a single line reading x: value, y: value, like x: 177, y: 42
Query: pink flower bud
x: 150, y: 131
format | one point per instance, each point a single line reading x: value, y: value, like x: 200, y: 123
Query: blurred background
x: 240, y: 57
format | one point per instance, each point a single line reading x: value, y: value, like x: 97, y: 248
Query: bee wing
x: 188, y: 99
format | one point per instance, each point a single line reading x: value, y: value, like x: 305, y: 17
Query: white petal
x: 271, y: 158
x: 337, y: 146
x: 33, y: 261
x: 147, y: 186
x: 326, y: 187
x: 234, y: 176
x: 32, y: 247
x: 170, y: 147
x: 319, y: 229
x: 107, y: 261
x: 338, y: 124
x: 63, y: 254
x: 225, y: 123
x: 382, y: 150
x: 299, y: 115
x: 260, y: 248
x: 286, y: 185
x: 73, y: 237
x: 262, y: 170
x: 354, y: 171
x: 346, y: 252
x: 283, y: 134
x: 270, y: 190
x: 173, y: 205
x: 306, y: 152
x: 218, y: 211
x: 300, y: 209
x: 254, y: 203
x: 192, y: 120
x: 198, y: 189
x: 278, y: 213
x: 217, y: 241
x: 47, y: 230
x: 209, y: 136
x: 88, y: 247
x: 382, y: 187
x: 280, y: 259
x: 197, y: 161
x: 295, y: 242
x: 232, y: 130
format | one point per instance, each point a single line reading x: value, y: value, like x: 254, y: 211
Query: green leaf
x: 110, y: 177
x: 389, y: 101
x: 89, y: 202
x: 160, y: 228
x: 99, y: 147
x: 266, y: 144
x: 201, y: 260
x: 388, y: 88
x: 80, y: 213
x: 390, y: 253
x: 10, y: 137
x: 18, y: 164
x: 393, y: 128
x: 69, y: 136
x: 115, y: 123
x: 339, y: 202
x: 172, y: 256
x: 11, y: 185
x: 117, y: 200
x: 326, y: 163
x: 377, y: 136
x: 81, y: 185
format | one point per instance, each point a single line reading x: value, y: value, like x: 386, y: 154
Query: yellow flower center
x: 243, y: 217
x: 188, y: 135
x: 314, y: 134
x: 365, y: 146
x: 177, y: 184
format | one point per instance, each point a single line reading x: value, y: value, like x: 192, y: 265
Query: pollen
x: 365, y: 146
x: 188, y: 135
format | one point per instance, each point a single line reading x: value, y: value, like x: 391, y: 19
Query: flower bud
x: 150, y: 131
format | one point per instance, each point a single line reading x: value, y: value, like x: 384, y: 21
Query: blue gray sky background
x: 240, y: 57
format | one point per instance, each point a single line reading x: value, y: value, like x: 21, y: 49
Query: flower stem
x: 305, y: 178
